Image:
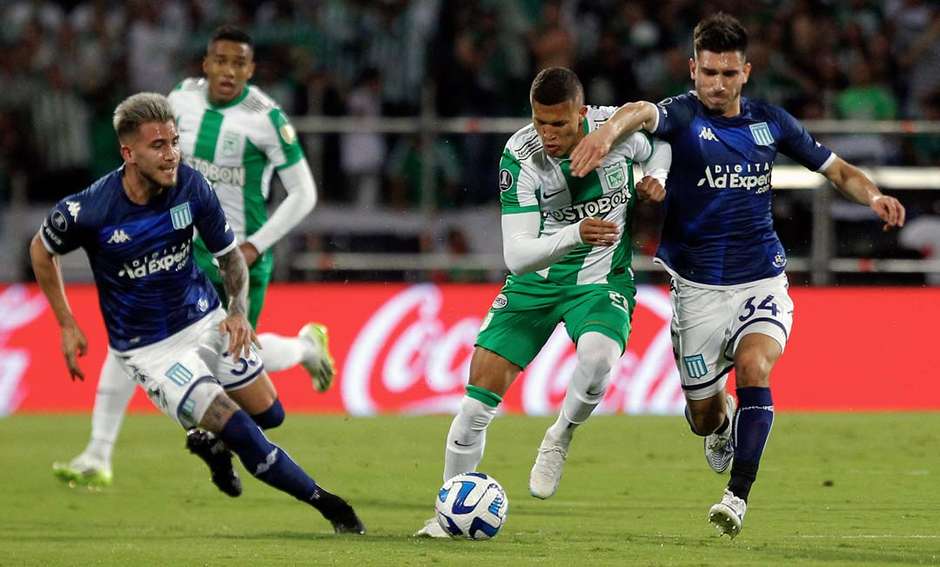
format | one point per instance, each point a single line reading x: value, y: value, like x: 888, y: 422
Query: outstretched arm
x: 851, y: 182
x: 629, y: 118
x: 235, y: 280
x: 49, y: 277
x: 301, y: 197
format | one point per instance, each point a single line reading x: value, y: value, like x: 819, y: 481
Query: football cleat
x: 719, y: 448
x: 83, y: 471
x: 320, y: 366
x: 338, y: 512
x: 218, y: 458
x: 546, y: 472
x: 432, y: 528
x: 728, y: 515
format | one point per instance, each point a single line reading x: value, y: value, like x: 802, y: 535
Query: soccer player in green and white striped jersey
x: 237, y: 137
x: 567, y: 242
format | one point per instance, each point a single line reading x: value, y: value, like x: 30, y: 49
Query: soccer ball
x: 472, y: 505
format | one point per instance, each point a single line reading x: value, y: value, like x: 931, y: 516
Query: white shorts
x: 183, y: 373
x: 708, y: 324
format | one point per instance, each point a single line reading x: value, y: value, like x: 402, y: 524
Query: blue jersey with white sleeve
x: 149, y: 287
x: 718, y: 227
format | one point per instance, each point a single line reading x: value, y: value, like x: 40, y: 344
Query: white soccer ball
x: 472, y: 505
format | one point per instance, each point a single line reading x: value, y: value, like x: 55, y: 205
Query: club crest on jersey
x: 505, y: 179
x: 230, y: 145
x: 615, y: 175
x: 761, y: 134
x: 181, y: 216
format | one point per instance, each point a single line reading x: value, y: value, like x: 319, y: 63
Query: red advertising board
x: 407, y: 349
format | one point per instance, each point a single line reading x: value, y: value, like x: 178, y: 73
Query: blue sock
x: 265, y: 460
x: 752, y: 424
x: 271, y: 417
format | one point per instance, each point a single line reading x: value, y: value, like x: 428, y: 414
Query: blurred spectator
x: 364, y: 153
x: 552, y: 40
x: 926, y: 147
x: 406, y: 167
x: 923, y: 234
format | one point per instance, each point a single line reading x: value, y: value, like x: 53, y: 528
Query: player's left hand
x: 240, y: 335
x: 249, y: 252
x: 650, y: 189
x: 890, y: 210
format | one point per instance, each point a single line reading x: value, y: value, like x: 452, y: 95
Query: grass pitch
x: 834, y: 489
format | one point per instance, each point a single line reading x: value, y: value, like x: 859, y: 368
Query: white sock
x: 115, y: 389
x: 281, y: 353
x: 597, y: 355
x: 467, y: 437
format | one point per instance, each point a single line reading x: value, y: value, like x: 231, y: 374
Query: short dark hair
x: 231, y: 33
x: 556, y: 85
x: 720, y: 33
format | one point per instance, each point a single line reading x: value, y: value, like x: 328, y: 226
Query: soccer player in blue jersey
x: 166, y: 326
x: 729, y: 291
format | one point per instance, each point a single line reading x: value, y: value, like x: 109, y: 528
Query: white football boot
x: 546, y: 472
x: 728, y: 515
x: 719, y: 448
x: 431, y: 529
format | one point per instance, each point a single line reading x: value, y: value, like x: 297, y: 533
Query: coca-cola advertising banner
x: 407, y: 349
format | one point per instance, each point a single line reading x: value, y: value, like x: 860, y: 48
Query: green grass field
x: 834, y: 489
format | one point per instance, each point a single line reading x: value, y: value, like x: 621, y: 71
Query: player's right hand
x: 597, y: 232
x: 240, y: 335
x: 74, y: 344
x: 587, y: 155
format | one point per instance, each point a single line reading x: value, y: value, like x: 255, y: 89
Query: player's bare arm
x: 46, y: 268
x: 598, y: 232
x: 650, y: 189
x: 235, y: 279
x: 851, y: 182
x: 629, y: 118
x: 249, y: 252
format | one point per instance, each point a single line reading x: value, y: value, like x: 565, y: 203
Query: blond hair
x: 139, y: 109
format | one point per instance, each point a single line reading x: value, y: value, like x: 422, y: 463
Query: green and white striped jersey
x: 237, y: 146
x: 530, y: 180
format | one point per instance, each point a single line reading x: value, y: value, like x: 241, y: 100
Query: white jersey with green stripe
x: 237, y: 146
x: 530, y: 180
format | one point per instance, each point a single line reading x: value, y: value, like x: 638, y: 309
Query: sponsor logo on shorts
x: 501, y: 301
x: 695, y: 365
x: 780, y: 260
x: 594, y: 208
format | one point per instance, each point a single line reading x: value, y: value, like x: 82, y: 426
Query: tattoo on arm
x: 235, y: 280
x: 218, y: 413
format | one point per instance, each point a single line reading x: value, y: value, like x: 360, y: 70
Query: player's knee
x: 597, y: 355
x: 271, y: 417
x: 752, y: 368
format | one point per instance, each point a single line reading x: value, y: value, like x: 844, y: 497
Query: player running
x: 166, y: 326
x: 729, y: 291
x: 237, y: 137
x: 566, y: 241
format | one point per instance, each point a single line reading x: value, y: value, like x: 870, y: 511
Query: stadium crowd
x: 66, y: 63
